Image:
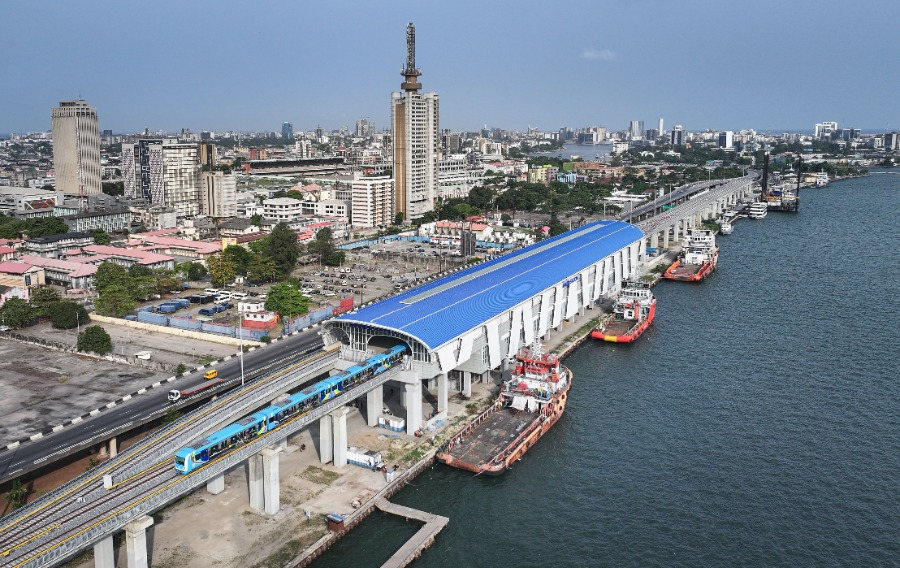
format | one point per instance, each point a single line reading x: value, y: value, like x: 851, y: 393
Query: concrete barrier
x: 170, y: 330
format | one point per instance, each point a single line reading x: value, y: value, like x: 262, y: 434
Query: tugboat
x: 699, y: 257
x: 528, y: 405
x: 633, y: 313
x: 726, y: 228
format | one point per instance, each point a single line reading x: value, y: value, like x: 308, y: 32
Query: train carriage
x: 257, y: 424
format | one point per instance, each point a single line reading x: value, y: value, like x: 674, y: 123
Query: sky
x: 249, y: 66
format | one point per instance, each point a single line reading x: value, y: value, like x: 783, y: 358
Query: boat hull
x: 451, y: 454
x: 688, y: 272
x: 609, y: 332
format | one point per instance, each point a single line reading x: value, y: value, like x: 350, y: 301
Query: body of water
x: 757, y: 423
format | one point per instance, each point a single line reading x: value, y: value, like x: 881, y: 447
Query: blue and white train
x: 258, y: 423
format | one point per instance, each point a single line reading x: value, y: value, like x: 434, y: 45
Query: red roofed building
x: 18, y: 278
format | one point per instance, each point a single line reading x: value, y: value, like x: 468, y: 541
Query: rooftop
x: 442, y: 310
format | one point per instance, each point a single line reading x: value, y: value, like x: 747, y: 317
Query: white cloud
x: 598, y: 54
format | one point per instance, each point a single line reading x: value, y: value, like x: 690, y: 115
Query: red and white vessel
x: 529, y: 404
x: 699, y: 257
x: 632, y: 314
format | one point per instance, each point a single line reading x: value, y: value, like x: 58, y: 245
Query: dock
x: 423, y: 538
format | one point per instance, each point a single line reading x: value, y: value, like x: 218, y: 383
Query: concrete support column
x: 255, y: 482
x: 666, y: 239
x: 339, y: 424
x: 113, y: 447
x: 326, y: 439
x: 654, y: 240
x: 136, y: 542
x: 467, y: 384
x: 413, y: 406
x: 104, y: 555
x: 271, y: 479
x: 403, y: 402
x: 443, y: 392
x: 216, y: 485
x: 374, y: 405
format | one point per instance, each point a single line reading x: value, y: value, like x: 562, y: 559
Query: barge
x: 698, y: 257
x: 529, y: 404
x: 632, y: 314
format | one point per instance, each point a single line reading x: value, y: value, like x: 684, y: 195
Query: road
x: 150, y: 406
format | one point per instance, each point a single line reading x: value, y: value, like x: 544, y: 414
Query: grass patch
x: 659, y: 268
x: 282, y: 556
x: 207, y: 359
x: 413, y: 456
x: 319, y: 475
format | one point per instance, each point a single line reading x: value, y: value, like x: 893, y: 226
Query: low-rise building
x: 57, y: 246
x: 127, y: 257
x: 66, y: 273
x: 21, y: 277
x: 109, y: 221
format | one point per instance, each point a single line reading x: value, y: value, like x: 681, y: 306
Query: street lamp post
x: 241, y: 337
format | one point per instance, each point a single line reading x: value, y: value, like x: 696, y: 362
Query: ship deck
x: 685, y: 270
x: 492, y: 436
x: 618, y: 327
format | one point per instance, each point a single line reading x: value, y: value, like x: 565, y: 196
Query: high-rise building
x: 660, y: 127
x: 677, y: 135
x: 365, y: 128
x: 218, y: 194
x: 824, y: 129
x: 414, y: 121
x: 164, y: 172
x: 76, y: 148
x: 726, y: 139
x: 208, y: 156
x: 636, y: 129
x: 372, y: 201
x: 287, y: 131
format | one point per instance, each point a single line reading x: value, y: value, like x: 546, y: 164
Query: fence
x: 313, y: 318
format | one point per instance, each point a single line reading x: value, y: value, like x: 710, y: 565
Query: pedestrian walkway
x: 423, y: 538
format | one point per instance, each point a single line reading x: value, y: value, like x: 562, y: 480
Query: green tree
x: 282, y: 248
x: 556, y: 228
x: 67, y: 315
x: 43, y: 299
x: 239, y: 256
x: 113, y: 188
x: 101, y: 237
x: 193, y: 271
x: 262, y: 269
x: 17, y: 313
x: 115, y: 300
x: 17, y: 495
x: 95, y: 339
x: 221, y: 270
x: 286, y: 299
x: 45, y: 227
x: 256, y: 220
x: 108, y: 274
x: 165, y: 280
x: 180, y: 369
x: 334, y: 258
x: 398, y: 218
x: 259, y: 246
x: 138, y: 270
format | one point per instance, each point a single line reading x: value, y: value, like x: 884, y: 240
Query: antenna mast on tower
x: 411, y: 84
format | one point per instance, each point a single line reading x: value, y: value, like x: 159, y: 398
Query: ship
x: 632, y: 314
x: 758, y: 210
x: 726, y: 228
x: 699, y: 257
x: 528, y: 405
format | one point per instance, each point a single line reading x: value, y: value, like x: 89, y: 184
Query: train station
x: 463, y: 325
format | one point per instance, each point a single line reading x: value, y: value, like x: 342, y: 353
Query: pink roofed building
x: 96, y: 254
x: 185, y: 248
x: 18, y: 278
x: 66, y: 273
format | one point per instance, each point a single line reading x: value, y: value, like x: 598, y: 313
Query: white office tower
x: 660, y: 128
x: 76, y: 148
x: 218, y: 194
x: 372, y: 201
x: 414, y: 122
x: 164, y: 172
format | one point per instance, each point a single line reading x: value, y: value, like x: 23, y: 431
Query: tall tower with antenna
x: 416, y: 137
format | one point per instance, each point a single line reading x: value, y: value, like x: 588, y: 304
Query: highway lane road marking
x: 89, y: 440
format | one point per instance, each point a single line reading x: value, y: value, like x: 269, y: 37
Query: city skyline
x: 604, y: 63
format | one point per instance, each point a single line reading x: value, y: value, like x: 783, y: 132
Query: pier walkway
x: 423, y: 538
